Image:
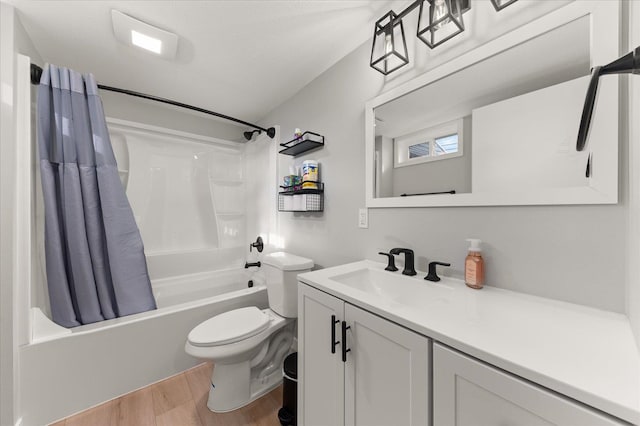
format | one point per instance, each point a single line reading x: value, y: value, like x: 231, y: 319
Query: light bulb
x: 388, y: 44
x: 440, y: 10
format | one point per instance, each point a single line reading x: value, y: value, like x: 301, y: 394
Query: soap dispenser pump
x: 474, y: 265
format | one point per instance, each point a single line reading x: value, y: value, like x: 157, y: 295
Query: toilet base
x: 232, y: 388
x: 237, y: 384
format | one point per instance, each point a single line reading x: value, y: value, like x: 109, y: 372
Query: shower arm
x: 627, y: 64
x: 36, y: 73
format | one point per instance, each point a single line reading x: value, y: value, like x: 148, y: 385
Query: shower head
x: 271, y: 132
x: 249, y: 135
x: 627, y: 64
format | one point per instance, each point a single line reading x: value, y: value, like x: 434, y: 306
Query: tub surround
x: 584, y: 353
x: 192, y: 262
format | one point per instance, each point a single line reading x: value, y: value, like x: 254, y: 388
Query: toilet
x: 248, y: 345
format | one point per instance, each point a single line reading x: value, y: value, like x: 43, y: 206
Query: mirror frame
x: 604, y: 47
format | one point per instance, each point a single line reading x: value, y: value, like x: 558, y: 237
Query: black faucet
x: 432, y: 276
x: 391, y: 265
x: 249, y: 265
x: 408, y: 260
x: 259, y: 244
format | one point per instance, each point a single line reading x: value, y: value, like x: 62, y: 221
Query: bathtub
x: 68, y: 370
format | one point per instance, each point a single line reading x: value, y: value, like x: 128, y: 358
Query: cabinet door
x: 386, y: 373
x: 320, y: 372
x: 467, y: 392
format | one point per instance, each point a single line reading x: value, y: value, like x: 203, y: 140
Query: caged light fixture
x: 389, y: 50
x: 444, y: 19
x: 438, y: 21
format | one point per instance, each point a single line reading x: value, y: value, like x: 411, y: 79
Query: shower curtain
x: 95, y: 261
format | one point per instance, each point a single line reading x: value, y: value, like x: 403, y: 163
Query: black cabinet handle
x: 345, y: 327
x: 334, y: 321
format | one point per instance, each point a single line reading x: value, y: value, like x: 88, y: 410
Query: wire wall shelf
x: 298, y: 199
x: 308, y: 141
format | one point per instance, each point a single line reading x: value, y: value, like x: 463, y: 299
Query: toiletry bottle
x: 474, y: 265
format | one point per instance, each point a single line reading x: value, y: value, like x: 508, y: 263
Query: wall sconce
x: 445, y: 21
x: 389, y: 50
x: 444, y: 17
x: 501, y: 4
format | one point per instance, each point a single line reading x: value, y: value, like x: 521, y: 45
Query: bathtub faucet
x: 249, y: 265
x: 259, y: 244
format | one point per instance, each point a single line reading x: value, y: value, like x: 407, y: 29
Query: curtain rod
x: 36, y: 73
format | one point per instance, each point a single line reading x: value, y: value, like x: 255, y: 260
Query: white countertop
x: 584, y: 353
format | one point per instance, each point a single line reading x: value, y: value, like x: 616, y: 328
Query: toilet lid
x: 229, y: 327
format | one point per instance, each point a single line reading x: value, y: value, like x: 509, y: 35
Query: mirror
x: 498, y: 125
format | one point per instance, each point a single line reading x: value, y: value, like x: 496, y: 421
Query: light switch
x: 363, y: 218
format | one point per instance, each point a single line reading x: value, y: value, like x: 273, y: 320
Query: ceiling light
x: 133, y: 32
x: 150, y: 43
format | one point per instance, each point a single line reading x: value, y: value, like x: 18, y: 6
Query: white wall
x: 117, y: 105
x: 7, y: 209
x: 633, y: 281
x: 538, y: 161
x: 572, y: 253
x: 13, y: 40
x: 260, y: 193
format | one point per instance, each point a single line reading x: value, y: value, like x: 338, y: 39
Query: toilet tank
x: 281, y: 272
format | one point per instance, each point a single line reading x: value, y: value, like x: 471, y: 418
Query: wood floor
x: 178, y: 401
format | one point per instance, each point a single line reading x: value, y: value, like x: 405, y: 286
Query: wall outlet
x: 363, y: 218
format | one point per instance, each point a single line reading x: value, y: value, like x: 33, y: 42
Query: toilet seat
x: 229, y: 327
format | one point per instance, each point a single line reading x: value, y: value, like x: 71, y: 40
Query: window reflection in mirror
x: 505, y: 123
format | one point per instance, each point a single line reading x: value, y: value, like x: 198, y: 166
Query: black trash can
x: 289, y: 411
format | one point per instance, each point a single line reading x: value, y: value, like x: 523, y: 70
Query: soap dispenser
x: 474, y: 265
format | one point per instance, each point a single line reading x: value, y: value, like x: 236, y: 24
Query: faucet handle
x: 391, y: 266
x: 432, y: 275
x: 259, y: 244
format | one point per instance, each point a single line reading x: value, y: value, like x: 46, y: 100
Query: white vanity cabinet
x: 467, y: 392
x: 441, y: 354
x: 384, y: 378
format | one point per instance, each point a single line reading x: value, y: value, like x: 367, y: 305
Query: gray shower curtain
x: 95, y: 262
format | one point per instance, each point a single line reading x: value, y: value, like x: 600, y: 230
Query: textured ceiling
x: 240, y: 58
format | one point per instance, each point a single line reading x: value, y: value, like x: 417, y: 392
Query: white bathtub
x: 199, y: 287
x: 68, y: 370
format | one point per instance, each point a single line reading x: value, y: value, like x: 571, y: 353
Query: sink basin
x: 408, y: 291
